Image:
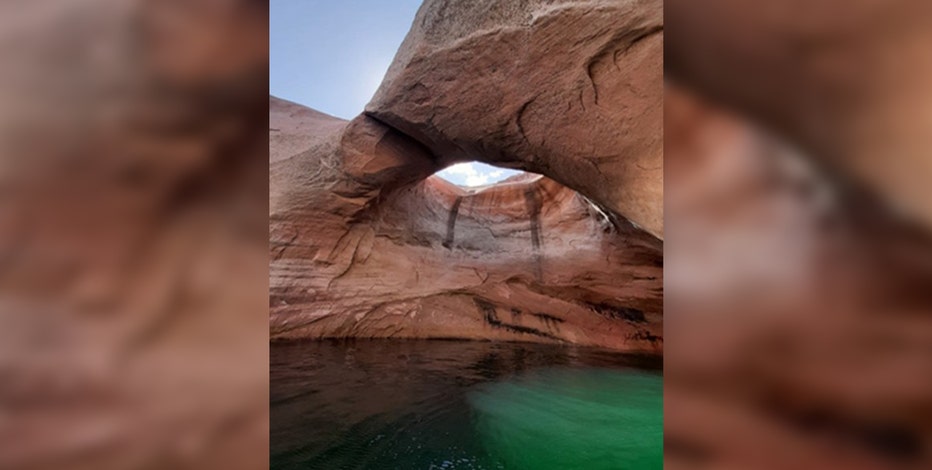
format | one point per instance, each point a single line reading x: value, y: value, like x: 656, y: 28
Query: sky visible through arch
x: 331, y: 56
x: 475, y: 174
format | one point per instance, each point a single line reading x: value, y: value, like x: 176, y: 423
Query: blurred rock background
x: 133, y: 234
x: 798, y: 257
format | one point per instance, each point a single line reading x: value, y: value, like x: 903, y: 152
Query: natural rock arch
x: 523, y: 85
x: 366, y: 244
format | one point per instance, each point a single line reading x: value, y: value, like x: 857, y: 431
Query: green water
x: 462, y: 405
x: 581, y: 418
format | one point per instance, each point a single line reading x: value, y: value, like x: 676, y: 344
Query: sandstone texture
x: 826, y: 364
x: 133, y: 235
x: 848, y: 82
x: 801, y: 307
x: 569, y: 89
x: 365, y: 243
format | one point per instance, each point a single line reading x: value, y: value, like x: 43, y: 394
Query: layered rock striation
x: 568, y: 89
x: 366, y: 243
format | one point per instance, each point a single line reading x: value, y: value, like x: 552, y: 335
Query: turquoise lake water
x: 462, y: 405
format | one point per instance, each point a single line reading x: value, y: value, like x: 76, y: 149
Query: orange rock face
x: 851, y: 87
x: 366, y: 243
x: 802, y: 327
x: 133, y: 235
x: 572, y: 90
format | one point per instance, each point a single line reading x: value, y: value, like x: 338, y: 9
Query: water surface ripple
x: 412, y: 405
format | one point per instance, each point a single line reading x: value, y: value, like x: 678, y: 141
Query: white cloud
x: 460, y: 169
x: 474, y: 174
x: 477, y: 180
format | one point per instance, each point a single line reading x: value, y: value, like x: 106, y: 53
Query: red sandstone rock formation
x: 568, y: 89
x: 133, y: 233
x: 831, y: 369
x: 802, y: 328
x: 847, y: 80
x: 365, y: 243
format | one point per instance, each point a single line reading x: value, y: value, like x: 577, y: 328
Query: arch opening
x: 477, y: 174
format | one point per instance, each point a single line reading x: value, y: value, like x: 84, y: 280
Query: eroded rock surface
x: 569, y: 89
x: 365, y: 243
x: 802, y: 327
x: 133, y: 235
x: 848, y: 83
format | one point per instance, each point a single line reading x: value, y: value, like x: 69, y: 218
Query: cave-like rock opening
x: 368, y: 242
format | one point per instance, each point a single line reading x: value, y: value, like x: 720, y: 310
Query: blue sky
x: 331, y: 56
